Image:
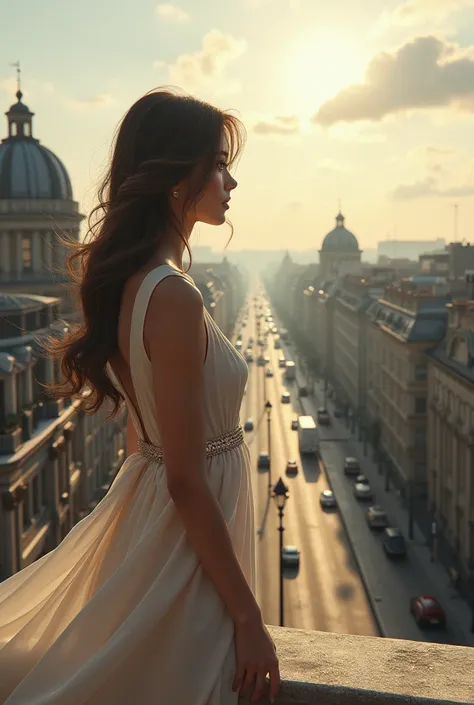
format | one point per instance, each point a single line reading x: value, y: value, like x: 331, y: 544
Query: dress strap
x: 140, y: 365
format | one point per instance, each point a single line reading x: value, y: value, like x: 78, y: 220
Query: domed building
x: 36, y: 202
x: 339, y: 250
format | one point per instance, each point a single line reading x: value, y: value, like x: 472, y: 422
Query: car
x: 238, y: 344
x: 248, y: 425
x: 282, y: 362
x: 351, y: 466
x: 323, y: 417
x: 263, y: 460
x: 248, y: 355
x: 393, y: 542
x: 290, y: 556
x: 303, y: 391
x: 376, y: 517
x: 294, y: 424
x: 277, y: 344
x: 362, y: 480
x: 260, y: 342
x: 285, y: 398
x: 327, y: 500
x: 427, y: 611
x: 291, y: 467
x: 268, y: 373
x: 250, y: 340
x: 363, y: 491
x: 260, y: 361
x: 266, y: 359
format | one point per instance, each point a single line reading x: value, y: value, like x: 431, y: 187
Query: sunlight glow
x: 319, y: 66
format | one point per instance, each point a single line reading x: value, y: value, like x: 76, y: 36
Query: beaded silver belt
x: 216, y: 446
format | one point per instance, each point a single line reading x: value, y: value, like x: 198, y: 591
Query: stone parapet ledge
x: 319, y: 668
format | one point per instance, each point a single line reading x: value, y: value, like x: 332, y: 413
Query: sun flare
x: 319, y: 66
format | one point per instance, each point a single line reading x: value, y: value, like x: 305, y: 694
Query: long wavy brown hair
x: 165, y: 137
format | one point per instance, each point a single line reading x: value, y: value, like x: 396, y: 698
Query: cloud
x: 429, y: 187
x: 279, y: 125
x: 95, y: 102
x: 256, y: 4
x: 172, y: 13
x: 414, y: 12
x: 423, y: 73
x: 204, y: 66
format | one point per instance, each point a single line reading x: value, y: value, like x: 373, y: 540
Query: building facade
x: 56, y: 462
x: 451, y: 439
x: 403, y: 325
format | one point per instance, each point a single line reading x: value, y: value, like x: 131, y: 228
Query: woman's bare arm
x: 175, y: 336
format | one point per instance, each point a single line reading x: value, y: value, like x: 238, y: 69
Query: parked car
x: 285, y: 398
x: 376, y: 517
x: 327, y: 499
x: 294, y: 425
x: 362, y: 480
x: 323, y: 417
x: 363, y: 491
x: 393, y: 542
x: 291, y: 467
x: 427, y: 611
x: 263, y: 460
x: 290, y: 557
x: 248, y: 425
x: 351, y: 466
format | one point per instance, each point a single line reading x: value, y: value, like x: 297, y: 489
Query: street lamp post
x: 268, y: 408
x: 280, y: 494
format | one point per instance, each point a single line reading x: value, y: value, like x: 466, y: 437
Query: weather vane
x: 16, y: 65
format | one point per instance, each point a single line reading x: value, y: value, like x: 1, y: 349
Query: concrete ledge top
x: 330, y: 669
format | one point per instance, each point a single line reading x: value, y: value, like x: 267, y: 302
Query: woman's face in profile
x: 211, y: 208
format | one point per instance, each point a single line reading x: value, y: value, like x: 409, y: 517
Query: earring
x: 175, y: 194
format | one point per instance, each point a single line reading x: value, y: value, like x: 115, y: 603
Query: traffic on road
x: 346, y: 568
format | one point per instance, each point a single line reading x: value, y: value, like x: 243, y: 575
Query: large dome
x: 340, y: 239
x: 27, y: 169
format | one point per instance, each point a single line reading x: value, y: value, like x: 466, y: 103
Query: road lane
x: 327, y: 594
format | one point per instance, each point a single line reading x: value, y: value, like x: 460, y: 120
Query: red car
x: 427, y: 611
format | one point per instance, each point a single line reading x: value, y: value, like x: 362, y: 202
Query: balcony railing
x: 319, y: 668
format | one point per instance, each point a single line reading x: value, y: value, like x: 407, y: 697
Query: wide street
x: 327, y: 593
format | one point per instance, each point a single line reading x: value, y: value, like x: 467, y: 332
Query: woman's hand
x: 256, y: 656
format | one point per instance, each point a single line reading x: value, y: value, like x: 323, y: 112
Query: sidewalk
x: 457, y: 609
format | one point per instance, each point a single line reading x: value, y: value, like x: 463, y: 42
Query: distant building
x: 36, y: 202
x: 451, y: 439
x: 339, y: 251
x: 408, y: 249
x: 223, y: 290
x: 452, y: 262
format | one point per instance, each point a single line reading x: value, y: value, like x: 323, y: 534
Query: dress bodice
x: 225, y: 370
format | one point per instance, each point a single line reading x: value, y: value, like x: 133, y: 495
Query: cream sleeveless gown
x: 121, y: 612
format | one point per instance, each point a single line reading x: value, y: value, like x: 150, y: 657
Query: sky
x: 369, y: 104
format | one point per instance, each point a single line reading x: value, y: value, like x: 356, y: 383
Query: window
x: 420, y: 437
x: 27, y: 262
x: 421, y: 372
x: 420, y: 405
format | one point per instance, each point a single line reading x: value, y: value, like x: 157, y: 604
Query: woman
x: 149, y: 599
